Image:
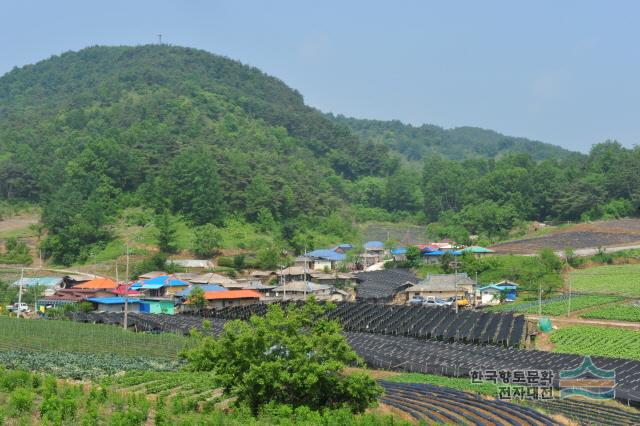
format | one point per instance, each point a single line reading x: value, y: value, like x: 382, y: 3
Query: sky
x: 566, y: 73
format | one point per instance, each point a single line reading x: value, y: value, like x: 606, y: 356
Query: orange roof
x: 231, y: 294
x: 103, y: 283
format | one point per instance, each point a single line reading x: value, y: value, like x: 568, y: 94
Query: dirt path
x: 17, y: 222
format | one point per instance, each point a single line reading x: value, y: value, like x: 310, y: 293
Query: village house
x: 301, y: 290
x: 114, y: 304
x: 443, y: 286
x: 322, y: 259
x: 493, y: 294
x: 223, y: 299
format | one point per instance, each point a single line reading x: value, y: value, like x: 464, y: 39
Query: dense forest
x: 461, y: 143
x: 87, y: 134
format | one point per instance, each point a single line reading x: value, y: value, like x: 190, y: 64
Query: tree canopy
x: 289, y: 356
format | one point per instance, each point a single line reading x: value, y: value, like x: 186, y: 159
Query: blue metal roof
x: 205, y: 287
x: 159, y: 282
x: 399, y: 250
x: 327, y: 254
x: 433, y: 253
x: 111, y: 300
x: 374, y: 244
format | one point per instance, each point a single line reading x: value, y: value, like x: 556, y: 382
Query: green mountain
x: 415, y: 143
x: 89, y: 132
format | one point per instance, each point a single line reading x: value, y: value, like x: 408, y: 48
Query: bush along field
x: 592, y: 340
x: 615, y: 313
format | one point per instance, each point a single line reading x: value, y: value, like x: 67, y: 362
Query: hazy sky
x: 564, y: 72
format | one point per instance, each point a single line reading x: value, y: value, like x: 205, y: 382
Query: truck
x: 18, y: 307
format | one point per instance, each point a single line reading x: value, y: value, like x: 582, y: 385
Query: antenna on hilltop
x: 159, y: 38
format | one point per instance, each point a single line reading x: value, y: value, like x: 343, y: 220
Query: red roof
x: 231, y: 294
x: 98, y: 283
x: 121, y: 290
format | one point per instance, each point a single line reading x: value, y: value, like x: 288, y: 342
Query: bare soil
x: 589, y: 236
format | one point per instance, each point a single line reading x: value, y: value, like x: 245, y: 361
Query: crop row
x: 616, y: 313
x: 64, y: 336
x: 81, y: 366
x: 592, y: 340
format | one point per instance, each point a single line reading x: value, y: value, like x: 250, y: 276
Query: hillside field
x: 622, y: 280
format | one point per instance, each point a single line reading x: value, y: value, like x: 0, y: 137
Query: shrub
x: 20, y: 401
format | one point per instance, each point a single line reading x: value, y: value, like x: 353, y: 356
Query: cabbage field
x: 593, y: 340
x: 617, y: 313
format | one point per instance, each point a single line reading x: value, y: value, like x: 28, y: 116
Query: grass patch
x: 622, y: 280
x: 593, y: 340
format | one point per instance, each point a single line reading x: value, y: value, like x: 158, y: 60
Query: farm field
x: 556, y: 306
x: 616, y: 313
x: 68, y: 336
x: 143, y: 398
x: 623, y: 280
x: 593, y: 340
x: 610, y: 233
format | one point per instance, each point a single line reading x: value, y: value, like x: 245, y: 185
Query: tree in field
x: 196, y: 299
x: 208, y: 239
x: 166, y: 233
x: 293, y: 356
x: 413, y: 256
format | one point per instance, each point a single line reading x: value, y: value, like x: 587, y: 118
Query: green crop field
x: 68, y: 336
x: 617, y: 313
x: 592, y: 340
x: 623, y: 280
x: 554, y: 307
x: 141, y: 398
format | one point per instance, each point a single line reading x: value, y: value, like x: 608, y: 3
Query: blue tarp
x: 440, y: 253
x: 399, y: 250
x: 205, y: 287
x: 111, y: 300
x: 344, y: 246
x: 373, y: 244
x: 327, y: 254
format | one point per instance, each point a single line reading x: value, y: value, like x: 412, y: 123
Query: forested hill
x: 88, y: 132
x: 416, y: 143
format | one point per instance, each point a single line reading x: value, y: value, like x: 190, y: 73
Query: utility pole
x: 126, y: 290
x: 569, y: 300
x: 540, y: 298
x: 20, y: 292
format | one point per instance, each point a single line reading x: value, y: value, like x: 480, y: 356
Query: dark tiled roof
x: 383, y: 284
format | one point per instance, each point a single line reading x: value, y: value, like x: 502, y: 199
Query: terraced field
x: 433, y: 404
x: 590, y: 413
